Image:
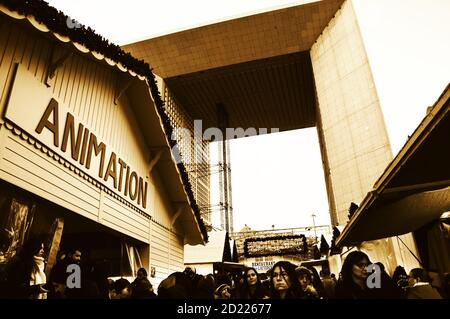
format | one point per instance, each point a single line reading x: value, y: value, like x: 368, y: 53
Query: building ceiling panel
x: 270, y: 93
x: 268, y: 34
x: 258, y: 67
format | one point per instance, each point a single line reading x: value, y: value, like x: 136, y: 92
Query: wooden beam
x: 122, y: 86
x: 156, y: 158
x: 181, y: 206
x: 58, y: 57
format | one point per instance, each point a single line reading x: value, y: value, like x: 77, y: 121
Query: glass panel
x: 15, y: 228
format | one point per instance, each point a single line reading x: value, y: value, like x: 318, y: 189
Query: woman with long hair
x: 26, y: 276
x: 252, y: 288
x: 284, y: 282
x: 354, y: 277
x: 354, y: 284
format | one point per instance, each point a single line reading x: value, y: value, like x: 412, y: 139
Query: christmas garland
x: 262, y: 249
x: 56, y: 21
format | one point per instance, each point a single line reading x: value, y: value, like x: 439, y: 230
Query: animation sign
x: 33, y: 108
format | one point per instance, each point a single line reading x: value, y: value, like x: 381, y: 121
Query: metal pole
x: 314, y: 226
x: 230, y: 200
x: 223, y: 123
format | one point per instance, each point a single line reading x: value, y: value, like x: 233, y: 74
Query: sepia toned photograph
x: 224, y: 154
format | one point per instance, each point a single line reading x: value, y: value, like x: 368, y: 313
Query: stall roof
x: 214, y: 251
x: 141, y: 89
x: 414, y: 188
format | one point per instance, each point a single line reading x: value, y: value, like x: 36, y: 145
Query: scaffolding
x: 226, y: 216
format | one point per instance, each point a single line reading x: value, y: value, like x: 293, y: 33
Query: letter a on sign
x: 74, y: 279
x: 52, y: 108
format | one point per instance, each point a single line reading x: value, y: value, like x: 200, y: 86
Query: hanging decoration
x: 275, y: 246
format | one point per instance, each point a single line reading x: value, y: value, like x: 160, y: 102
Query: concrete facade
x: 266, y: 68
x: 354, y: 141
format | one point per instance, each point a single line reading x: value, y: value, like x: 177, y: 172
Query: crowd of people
x: 24, y: 278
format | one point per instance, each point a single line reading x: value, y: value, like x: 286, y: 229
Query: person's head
x: 251, y: 277
x: 400, y: 277
x: 355, y: 267
x: 283, y: 278
x: 34, y: 247
x: 316, y: 281
x: 41, y: 251
x: 305, y: 276
x: 74, y: 254
x: 176, y: 286
x: 190, y: 271
x: 111, y: 284
x: 417, y: 275
x: 399, y: 271
x: 122, y: 288
x: 223, y: 291
x: 141, y: 273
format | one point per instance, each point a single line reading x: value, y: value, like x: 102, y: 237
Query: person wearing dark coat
x: 400, y: 278
x: 176, y: 286
x: 354, y: 284
x: 420, y: 287
x: 205, y: 288
x: 354, y: 275
x: 141, y: 288
x: 317, y: 282
x: 390, y: 288
x: 284, y: 282
x: 59, y: 275
x: 251, y: 287
x: 329, y: 285
x: 25, y: 272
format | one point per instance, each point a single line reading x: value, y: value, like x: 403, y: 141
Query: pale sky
x: 277, y: 179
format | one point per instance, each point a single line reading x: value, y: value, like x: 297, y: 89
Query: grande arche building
x: 296, y: 67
